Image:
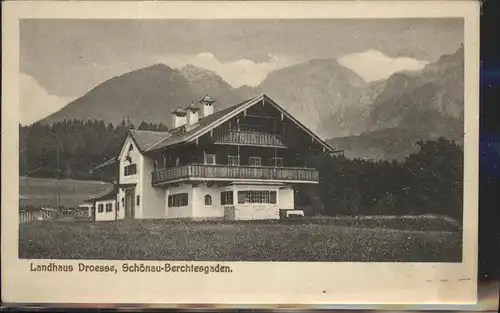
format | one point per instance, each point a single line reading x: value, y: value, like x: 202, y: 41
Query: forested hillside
x: 81, y: 146
x: 429, y: 181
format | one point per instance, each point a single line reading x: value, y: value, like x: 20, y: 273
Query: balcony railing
x: 224, y: 136
x: 206, y: 171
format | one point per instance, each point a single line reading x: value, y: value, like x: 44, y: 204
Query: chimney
x: 207, y: 105
x: 192, y: 114
x: 179, y: 117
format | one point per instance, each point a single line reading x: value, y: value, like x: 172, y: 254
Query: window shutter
x: 241, y: 197
x: 273, y: 196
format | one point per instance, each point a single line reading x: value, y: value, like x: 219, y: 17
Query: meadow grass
x: 42, y: 192
x: 301, y: 240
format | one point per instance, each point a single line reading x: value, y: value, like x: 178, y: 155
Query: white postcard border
x: 250, y: 282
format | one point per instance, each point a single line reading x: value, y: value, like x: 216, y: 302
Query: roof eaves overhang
x: 134, y: 140
x: 109, y: 162
x: 298, y: 123
x: 152, y: 147
x: 252, y: 102
x: 224, y: 118
x: 207, y: 128
x: 108, y: 196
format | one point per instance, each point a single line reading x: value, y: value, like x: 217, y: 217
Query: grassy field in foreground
x: 43, y: 192
x: 308, y: 240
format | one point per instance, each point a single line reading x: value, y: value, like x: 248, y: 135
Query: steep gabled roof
x: 148, y: 141
x: 108, y: 194
x: 109, y: 162
x: 302, y: 126
x: 145, y: 139
x: 182, y: 133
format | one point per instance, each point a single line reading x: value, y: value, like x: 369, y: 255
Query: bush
x: 429, y: 181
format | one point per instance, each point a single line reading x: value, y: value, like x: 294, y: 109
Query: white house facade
x: 240, y: 163
x: 104, y: 207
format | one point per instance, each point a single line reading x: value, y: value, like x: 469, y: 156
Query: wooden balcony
x: 245, y: 138
x: 228, y: 173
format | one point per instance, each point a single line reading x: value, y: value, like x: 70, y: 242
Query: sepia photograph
x: 277, y: 140
x: 304, y: 140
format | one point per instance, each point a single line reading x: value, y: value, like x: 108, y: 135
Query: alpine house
x: 239, y: 163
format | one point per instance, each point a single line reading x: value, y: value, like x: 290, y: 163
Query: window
x: 130, y: 169
x: 208, y: 200
x: 131, y: 147
x: 138, y: 200
x: 233, y: 160
x: 210, y: 159
x: 256, y: 196
x: 226, y: 197
x: 178, y: 200
x: 278, y: 162
x: 109, y: 207
x: 255, y: 161
x: 100, y: 208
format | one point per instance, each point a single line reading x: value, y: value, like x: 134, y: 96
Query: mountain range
x: 381, y: 119
x: 412, y: 106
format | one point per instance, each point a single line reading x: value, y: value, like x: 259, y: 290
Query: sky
x: 63, y: 59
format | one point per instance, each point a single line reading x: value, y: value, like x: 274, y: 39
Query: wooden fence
x: 38, y: 215
x: 46, y: 214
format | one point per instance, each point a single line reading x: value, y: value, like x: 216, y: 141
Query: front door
x: 129, y: 203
